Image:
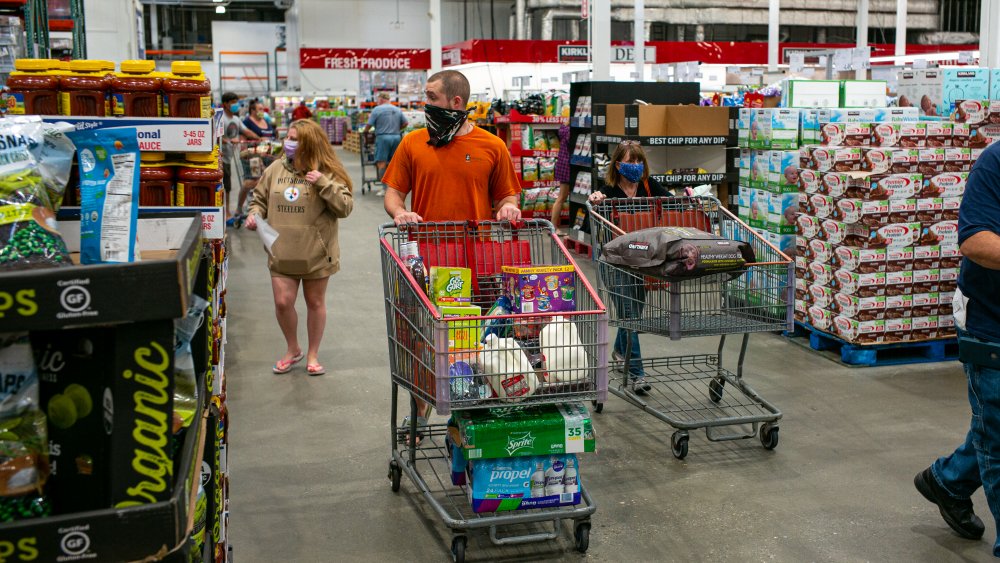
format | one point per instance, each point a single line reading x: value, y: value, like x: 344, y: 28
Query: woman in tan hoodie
x: 303, y: 196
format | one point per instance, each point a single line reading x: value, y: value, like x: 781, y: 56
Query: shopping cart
x: 254, y: 157
x: 368, y: 161
x: 689, y: 391
x: 420, y: 358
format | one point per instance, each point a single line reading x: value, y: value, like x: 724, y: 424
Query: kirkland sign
x: 579, y: 54
x: 365, y: 59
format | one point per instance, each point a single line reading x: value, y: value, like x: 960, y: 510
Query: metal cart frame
x: 419, y: 355
x: 368, y: 159
x: 688, y: 391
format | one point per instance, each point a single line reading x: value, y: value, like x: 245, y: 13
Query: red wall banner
x: 364, y: 59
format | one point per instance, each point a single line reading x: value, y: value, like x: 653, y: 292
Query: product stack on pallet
x: 533, y: 142
x: 877, y: 254
x: 124, y: 395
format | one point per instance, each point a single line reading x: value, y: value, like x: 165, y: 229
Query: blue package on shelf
x: 522, y: 483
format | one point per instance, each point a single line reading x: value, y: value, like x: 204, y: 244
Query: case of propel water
x: 521, y: 483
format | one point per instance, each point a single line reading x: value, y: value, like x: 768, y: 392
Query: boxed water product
x: 863, y: 94
x: 521, y: 483
x: 896, y: 115
x: 844, y: 115
x: 525, y: 431
x: 811, y: 93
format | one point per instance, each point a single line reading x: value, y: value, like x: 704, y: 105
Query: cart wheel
x: 582, y: 535
x: 458, y: 549
x: 715, y: 390
x: 598, y: 407
x: 679, y: 444
x: 769, y: 436
x: 395, y: 473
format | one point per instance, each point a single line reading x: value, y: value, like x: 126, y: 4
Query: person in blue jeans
x: 951, y: 480
x: 628, y: 177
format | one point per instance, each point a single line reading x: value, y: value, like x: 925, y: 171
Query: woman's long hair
x: 315, y: 153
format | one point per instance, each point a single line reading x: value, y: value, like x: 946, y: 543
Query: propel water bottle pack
x: 521, y: 483
x: 525, y: 431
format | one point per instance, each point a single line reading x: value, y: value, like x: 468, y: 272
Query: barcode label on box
x: 565, y: 498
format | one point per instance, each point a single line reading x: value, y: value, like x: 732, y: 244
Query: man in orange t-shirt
x: 453, y: 170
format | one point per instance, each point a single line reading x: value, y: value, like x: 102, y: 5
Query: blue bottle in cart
x: 499, y: 327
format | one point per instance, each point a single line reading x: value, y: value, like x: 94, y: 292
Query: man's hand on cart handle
x: 404, y: 217
x: 252, y: 222
x: 509, y: 211
x: 596, y: 197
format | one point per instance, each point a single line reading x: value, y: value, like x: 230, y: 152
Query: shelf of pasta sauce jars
x: 163, y: 134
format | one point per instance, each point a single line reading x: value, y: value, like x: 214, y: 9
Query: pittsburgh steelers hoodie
x: 305, y: 216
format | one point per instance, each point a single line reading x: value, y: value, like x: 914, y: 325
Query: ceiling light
x: 220, y: 9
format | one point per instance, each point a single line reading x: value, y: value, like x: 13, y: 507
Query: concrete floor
x: 308, y: 455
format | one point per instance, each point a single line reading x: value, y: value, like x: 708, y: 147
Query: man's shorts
x: 227, y: 172
x: 385, y: 147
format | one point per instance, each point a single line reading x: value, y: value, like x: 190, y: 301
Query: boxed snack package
x: 529, y: 169
x: 836, y: 159
x: 926, y: 303
x: 859, y: 308
x: 911, y: 135
x: 872, y: 213
x: 860, y: 332
x: 898, y: 306
x: 538, y: 289
x: 925, y: 327
x: 939, y: 133
x: 886, y: 134
x: 899, y: 258
x: 973, y: 112
x: 931, y: 161
x: 462, y: 335
x: 902, y: 211
x: 930, y: 209
x: 821, y: 318
x: 810, y: 181
x: 957, y: 159
x: 946, y: 184
x: 943, y: 233
x: 857, y: 283
x: 818, y: 250
x: 898, y: 282
x: 951, y: 256
x: 898, y: 330
x: 525, y: 431
x: 809, y: 227
x: 926, y: 257
x: 801, y: 311
x: 819, y: 273
x: 821, y: 295
x: 822, y: 206
x: 451, y: 285
x: 521, y: 483
x: 846, y: 134
x: 861, y: 260
x: 890, y: 160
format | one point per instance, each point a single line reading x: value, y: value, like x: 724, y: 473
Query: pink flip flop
x: 282, y: 366
x: 315, y: 369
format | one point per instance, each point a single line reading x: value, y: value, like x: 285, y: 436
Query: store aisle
x: 308, y: 455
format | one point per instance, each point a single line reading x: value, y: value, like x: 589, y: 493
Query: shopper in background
x: 301, y: 112
x: 388, y: 122
x: 562, y: 175
x: 951, y: 480
x: 303, y: 196
x: 257, y: 122
x: 452, y: 170
x: 233, y: 131
x: 628, y: 177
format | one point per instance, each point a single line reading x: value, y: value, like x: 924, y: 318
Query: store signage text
x: 365, y: 59
x: 580, y: 54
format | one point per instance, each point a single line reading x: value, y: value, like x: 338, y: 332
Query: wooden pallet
x: 872, y: 355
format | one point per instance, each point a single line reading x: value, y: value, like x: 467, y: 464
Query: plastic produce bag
x: 35, y: 160
x: 109, y: 194
x: 185, y: 376
x: 24, y: 463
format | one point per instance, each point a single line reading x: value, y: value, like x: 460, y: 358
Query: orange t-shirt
x: 457, y: 182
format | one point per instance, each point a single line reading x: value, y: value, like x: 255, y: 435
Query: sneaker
x: 640, y: 386
x: 956, y: 513
x: 380, y: 193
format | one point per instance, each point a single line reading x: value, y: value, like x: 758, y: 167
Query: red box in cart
x: 926, y: 303
x: 821, y: 318
x: 925, y: 328
x: 898, y: 306
x: 899, y: 283
x: 859, y: 308
x: 861, y: 260
x: 860, y: 332
x: 821, y: 295
x: 856, y: 283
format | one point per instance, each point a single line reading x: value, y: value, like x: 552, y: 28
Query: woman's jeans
x: 628, y: 296
x: 976, y: 463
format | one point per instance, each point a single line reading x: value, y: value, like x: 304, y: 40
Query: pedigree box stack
x: 877, y: 233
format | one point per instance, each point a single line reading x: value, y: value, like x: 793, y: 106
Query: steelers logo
x: 292, y: 194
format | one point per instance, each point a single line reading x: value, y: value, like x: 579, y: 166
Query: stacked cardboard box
x: 877, y: 253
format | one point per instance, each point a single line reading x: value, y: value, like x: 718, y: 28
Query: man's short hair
x: 453, y: 83
x: 384, y: 96
x: 229, y: 97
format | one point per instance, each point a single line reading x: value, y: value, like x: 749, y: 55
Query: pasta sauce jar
x: 156, y: 181
x: 186, y: 91
x: 32, y: 89
x: 135, y: 91
x: 84, y: 90
x: 199, y: 186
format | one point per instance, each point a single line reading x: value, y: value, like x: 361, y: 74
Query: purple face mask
x: 290, y: 147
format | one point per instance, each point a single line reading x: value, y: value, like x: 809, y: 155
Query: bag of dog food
x: 678, y: 253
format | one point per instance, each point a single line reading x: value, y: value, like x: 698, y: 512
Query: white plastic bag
x: 507, y: 368
x: 565, y: 358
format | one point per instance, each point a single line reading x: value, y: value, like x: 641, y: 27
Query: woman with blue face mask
x: 628, y: 177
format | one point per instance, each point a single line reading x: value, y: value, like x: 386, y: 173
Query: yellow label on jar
x: 64, y: 103
x: 206, y: 106
x: 219, y: 195
x: 180, y: 194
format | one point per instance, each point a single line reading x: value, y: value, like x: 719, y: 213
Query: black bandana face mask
x: 443, y: 124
